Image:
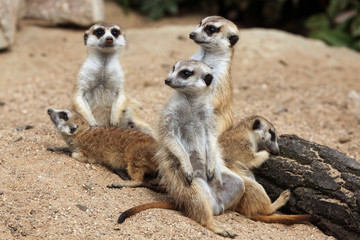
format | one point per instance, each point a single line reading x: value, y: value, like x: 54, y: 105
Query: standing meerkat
x: 246, y: 146
x: 129, y: 149
x: 190, y: 163
x: 217, y: 37
x: 100, y: 95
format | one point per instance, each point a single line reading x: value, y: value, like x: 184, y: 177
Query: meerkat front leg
x: 175, y: 147
x: 117, y: 109
x: 259, y: 158
x: 212, y: 156
x: 81, y: 106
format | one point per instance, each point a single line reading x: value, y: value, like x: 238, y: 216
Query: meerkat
x: 190, y: 163
x: 217, y: 37
x: 100, y: 95
x: 246, y: 146
x: 129, y: 150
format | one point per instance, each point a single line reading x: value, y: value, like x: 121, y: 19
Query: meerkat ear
x: 208, y: 79
x: 86, y: 36
x: 256, y: 125
x: 233, y: 39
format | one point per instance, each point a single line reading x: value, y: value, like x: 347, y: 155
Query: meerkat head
x: 69, y: 123
x: 215, y: 32
x: 190, y: 76
x: 264, y: 133
x: 104, y: 37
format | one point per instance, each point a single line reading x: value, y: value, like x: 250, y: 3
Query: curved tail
x: 139, y: 208
x: 284, y: 219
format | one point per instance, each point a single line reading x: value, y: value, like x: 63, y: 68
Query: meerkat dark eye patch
x: 233, y: 39
x: 208, y: 79
x: 173, y: 68
x: 99, y: 32
x: 185, y: 73
x: 63, y: 115
x: 211, y: 29
x: 273, y: 135
x: 256, y: 125
x: 115, y: 32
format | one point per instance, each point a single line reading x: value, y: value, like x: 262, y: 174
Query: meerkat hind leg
x: 230, y: 191
x: 280, y: 201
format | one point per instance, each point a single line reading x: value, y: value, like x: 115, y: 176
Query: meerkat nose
x: 109, y: 39
x: 167, y: 81
x: 192, y: 35
x: 49, y: 111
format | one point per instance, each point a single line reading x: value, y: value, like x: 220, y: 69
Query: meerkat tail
x: 132, y: 211
x: 284, y: 219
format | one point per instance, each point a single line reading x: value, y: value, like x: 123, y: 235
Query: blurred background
x: 336, y: 22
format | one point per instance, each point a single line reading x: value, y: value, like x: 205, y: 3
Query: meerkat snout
x: 192, y: 35
x: 167, y: 81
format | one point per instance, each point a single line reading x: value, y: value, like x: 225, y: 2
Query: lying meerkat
x: 100, y: 95
x: 217, y: 37
x: 190, y: 163
x: 115, y: 148
x: 246, y: 146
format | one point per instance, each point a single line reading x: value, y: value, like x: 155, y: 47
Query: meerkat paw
x: 210, y: 173
x: 189, y: 176
x: 260, y: 158
x: 188, y: 172
x: 285, y: 195
x: 79, y: 157
x: 225, y: 232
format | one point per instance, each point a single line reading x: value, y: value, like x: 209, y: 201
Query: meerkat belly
x: 194, y: 138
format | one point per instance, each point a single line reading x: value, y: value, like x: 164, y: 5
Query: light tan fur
x: 99, y: 94
x: 217, y: 37
x: 115, y: 148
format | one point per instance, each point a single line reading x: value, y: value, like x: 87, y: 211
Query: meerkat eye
x: 210, y: 29
x: 273, y: 135
x: 99, y: 32
x: 63, y: 115
x: 185, y: 74
x: 115, y: 32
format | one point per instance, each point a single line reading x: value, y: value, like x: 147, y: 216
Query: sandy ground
x: 301, y: 85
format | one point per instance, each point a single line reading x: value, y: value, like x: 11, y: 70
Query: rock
x: 353, y: 103
x: 344, y: 139
x: 82, y: 207
x: 78, y: 12
x: 10, y: 12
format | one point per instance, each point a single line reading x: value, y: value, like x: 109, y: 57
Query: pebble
x: 280, y: 109
x: 82, y: 207
x: 344, y: 139
x: 18, y: 139
x: 88, y: 186
x: 22, y: 128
